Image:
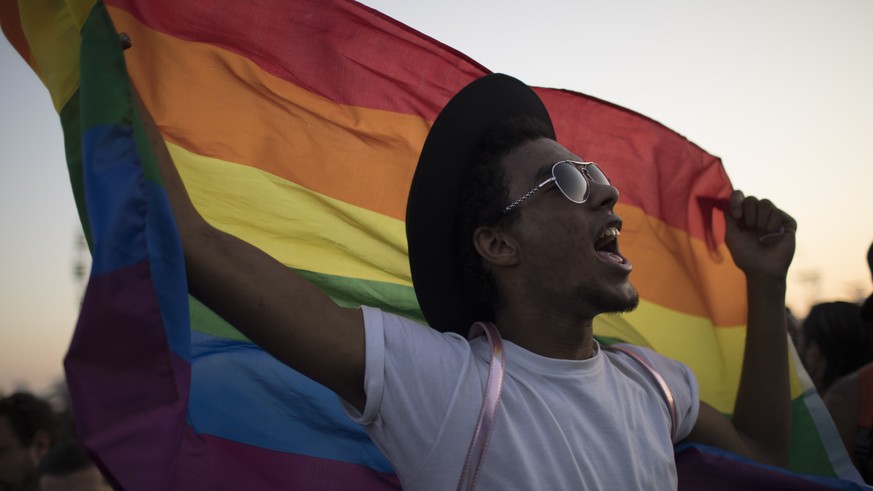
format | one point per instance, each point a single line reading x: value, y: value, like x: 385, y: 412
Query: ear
x: 813, y: 353
x: 496, y: 246
x: 815, y: 363
x: 40, y: 444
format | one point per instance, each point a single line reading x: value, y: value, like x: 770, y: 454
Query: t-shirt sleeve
x: 411, y: 380
x: 374, y: 366
x: 411, y: 376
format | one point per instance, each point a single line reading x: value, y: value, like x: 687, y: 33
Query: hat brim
x: 433, y: 195
x: 867, y: 309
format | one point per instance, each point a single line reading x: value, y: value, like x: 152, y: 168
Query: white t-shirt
x: 599, y: 423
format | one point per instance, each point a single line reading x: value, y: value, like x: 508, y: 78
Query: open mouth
x: 606, y: 246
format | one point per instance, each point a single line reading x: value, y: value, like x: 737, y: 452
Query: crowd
x: 835, y: 345
x: 38, y: 450
x: 837, y: 349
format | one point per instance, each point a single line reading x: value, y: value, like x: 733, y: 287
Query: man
x: 27, y: 428
x: 835, y: 341
x: 66, y: 467
x: 506, y: 225
x: 850, y: 400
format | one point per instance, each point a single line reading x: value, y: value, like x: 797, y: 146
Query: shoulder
x: 681, y: 383
x: 844, y: 389
x: 403, y: 329
x: 403, y: 356
x: 842, y: 400
x: 639, y: 358
x: 409, y: 342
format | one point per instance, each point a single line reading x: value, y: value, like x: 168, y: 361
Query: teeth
x: 611, y: 232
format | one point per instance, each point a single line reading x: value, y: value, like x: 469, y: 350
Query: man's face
x: 87, y: 479
x: 566, y: 257
x: 17, y: 462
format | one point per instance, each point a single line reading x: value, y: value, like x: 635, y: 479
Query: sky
x: 781, y: 90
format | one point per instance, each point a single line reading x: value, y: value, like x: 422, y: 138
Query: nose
x: 602, y: 196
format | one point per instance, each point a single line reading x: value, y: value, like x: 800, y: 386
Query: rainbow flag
x: 296, y: 126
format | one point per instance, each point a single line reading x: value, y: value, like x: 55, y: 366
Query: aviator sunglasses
x: 572, y: 178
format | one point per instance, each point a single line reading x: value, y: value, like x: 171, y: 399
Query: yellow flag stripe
x: 53, y: 36
x: 714, y: 353
x: 299, y: 227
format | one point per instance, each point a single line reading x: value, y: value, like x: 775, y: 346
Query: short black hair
x: 870, y: 259
x: 28, y: 414
x: 64, y: 459
x: 845, y: 340
x: 483, y: 196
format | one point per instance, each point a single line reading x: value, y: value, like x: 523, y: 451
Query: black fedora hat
x: 867, y: 307
x: 433, y: 196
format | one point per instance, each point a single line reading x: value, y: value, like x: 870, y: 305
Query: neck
x: 547, y: 334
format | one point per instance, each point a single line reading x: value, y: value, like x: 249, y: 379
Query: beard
x: 610, y: 303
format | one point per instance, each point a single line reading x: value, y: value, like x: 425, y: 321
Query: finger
x: 772, y: 238
x: 789, y: 223
x: 750, y: 211
x: 775, y: 220
x: 768, y: 218
x: 736, y: 204
x: 779, y: 225
x: 732, y: 226
x: 125, y: 41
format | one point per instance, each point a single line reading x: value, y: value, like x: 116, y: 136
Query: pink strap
x: 662, y: 384
x: 488, y: 413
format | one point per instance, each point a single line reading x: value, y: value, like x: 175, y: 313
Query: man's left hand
x: 759, y: 236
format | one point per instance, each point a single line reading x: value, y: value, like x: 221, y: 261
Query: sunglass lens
x: 596, y: 174
x: 571, y: 182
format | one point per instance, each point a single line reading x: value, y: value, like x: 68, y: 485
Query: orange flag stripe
x: 679, y: 272
x: 256, y: 119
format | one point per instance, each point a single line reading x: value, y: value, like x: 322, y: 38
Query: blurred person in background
x: 850, y: 401
x: 867, y: 308
x: 66, y: 467
x: 834, y: 342
x: 28, y: 428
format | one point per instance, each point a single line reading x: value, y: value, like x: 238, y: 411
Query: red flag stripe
x: 654, y: 168
x: 378, y: 54
x: 10, y: 22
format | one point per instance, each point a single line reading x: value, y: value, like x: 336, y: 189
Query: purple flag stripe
x: 234, y: 466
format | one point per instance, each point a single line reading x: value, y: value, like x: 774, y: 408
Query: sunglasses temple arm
x: 527, y: 195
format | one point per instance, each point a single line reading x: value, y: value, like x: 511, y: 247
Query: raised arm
x: 760, y: 238
x: 277, y: 309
